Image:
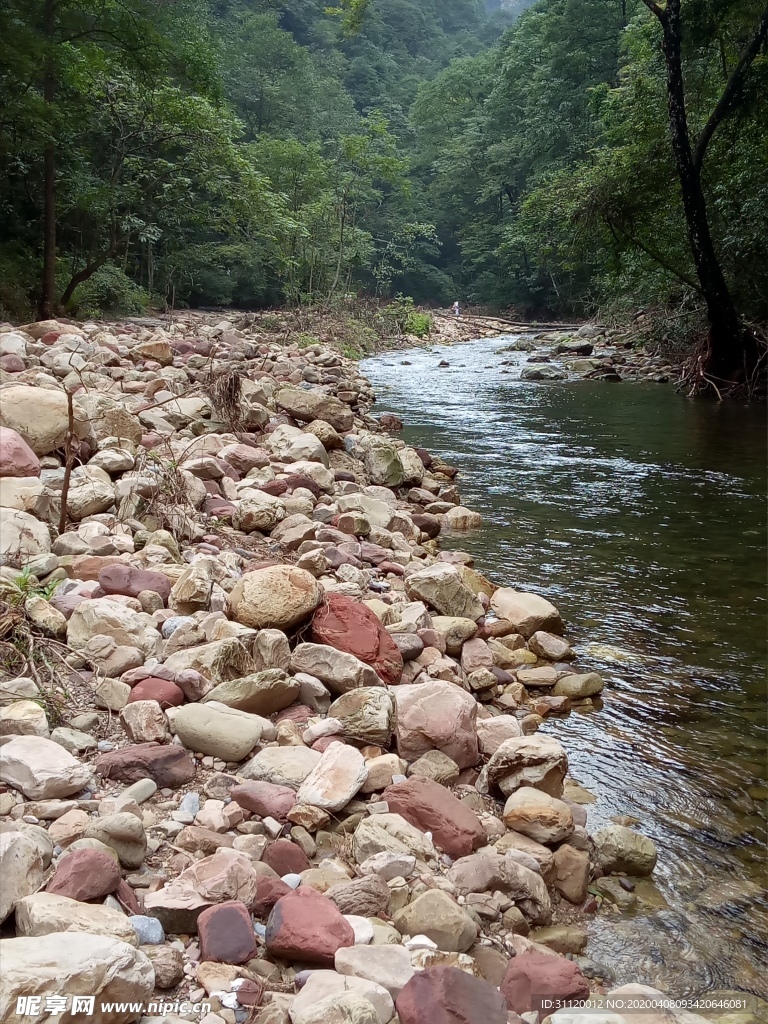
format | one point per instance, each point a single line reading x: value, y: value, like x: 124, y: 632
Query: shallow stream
x: 641, y: 515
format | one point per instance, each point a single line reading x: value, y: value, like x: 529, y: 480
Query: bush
x: 109, y: 292
x: 403, y: 317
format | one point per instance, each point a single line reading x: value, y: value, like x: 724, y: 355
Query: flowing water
x: 641, y: 515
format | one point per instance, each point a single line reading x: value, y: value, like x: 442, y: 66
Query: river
x: 641, y: 515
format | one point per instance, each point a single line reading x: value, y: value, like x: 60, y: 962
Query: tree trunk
x: 732, y: 352
x: 48, y: 289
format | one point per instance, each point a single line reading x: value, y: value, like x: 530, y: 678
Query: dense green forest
x: 259, y: 152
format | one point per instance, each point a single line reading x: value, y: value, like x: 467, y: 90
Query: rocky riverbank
x: 268, y: 742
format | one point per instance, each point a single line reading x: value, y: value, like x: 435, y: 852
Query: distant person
x: 455, y: 308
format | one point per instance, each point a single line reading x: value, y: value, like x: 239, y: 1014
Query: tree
x: 732, y: 352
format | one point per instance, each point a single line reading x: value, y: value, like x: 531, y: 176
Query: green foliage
x: 111, y: 292
x: 402, y: 316
x: 26, y: 584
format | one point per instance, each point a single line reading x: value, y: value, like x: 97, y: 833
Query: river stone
x: 528, y: 613
x: 436, y: 915
x: 261, y: 693
x: 352, y: 627
x: 538, y: 815
x: 366, y: 715
x: 391, y: 834
x: 167, y: 766
x: 537, y: 981
x: 124, y: 832
x: 578, y: 686
x: 44, y: 912
x: 454, y: 826
x: 322, y: 986
x: 16, y: 457
x: 40, y: 768
x: 282, y: 766
x: 75, y: 963
x: 436, y: 716
x: 110, y: 617
x: 218, y: 661
x: 622, y: 849
x: 39, y: 416
x: 538, y: 761
x: 218, y: 730
x: 306, y: 406
x: 86, y: 874
x: 339, y: 671
x: 278, y: 597
x: 335, y: 779
x: 22, y: 535
x: 448, y: 995
x: 386, y: 965
x: 305, y: 925
x: 441, y: 586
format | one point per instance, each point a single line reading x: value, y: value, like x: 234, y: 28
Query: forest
x: 566, y: 157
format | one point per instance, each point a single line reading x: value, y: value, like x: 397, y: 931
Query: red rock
x: 66, y: 603
x: 352, y: 627
x: 274, y: 487
x: 250, y: 993
x: 446, y: 995
x: 324, y: 742
x: 427, y: 523
x: 301, y: 480
x: 89, y: 567
x: 225, y: 933
x: 532, y: 978
x: 169, y: 766
x: 307, y: 926
x: 50, y: 337
x: 393, y: 568
x: 268, y: 891
x: 285, y: 857
x: 298, y: 713
x: 12, y: 363
x: 455, y: 827
x: 150, y: 441
x: 264, y: 798
x: 85, y: 875
x: 16, y: 457
x: 243, y: 458
x: 167, y: 694
x: 126, y: 897
x: 125, y: 579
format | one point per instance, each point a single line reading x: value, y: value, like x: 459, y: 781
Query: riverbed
x: 641, y: 515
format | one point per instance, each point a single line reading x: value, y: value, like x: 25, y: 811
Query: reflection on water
x: 641, y: 515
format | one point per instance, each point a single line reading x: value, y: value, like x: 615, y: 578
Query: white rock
x: 335, y: 779
x: 46, y: 912
x: 41, y: 768
x: 21, y: 870
x: 324, y: 985
x: 75, y: 963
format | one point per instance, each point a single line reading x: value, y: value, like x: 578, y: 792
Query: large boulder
x: 278, y: 597
x: 22, y: 536
x: 386, y: 965
x: 39, y: 416
x: 260, y: 693
x: 447, y: 995
x: 624, y: 850
x: 306, y: 406
x: 391, y: 834
x: 91, y: 491
x: 455, y: 827
x: 436, y: 716
x: 528, y: 613
x: 44, y: 913
x: 104, y: 616
x: 220, y: 661
x: 352, y: 627
x: 21, y: 870
x: 441, y: 587
x: 489, y: 871
x: 75, y: 964
x: 327, y: 987
x: 382, y: 461
x: 258, y: 512
x: 41, y: 769
x: 538, y: 761
x: 16, y: 457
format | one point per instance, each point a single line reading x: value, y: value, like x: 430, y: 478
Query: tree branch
x: 654, y: 8
x: 735, y: 82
